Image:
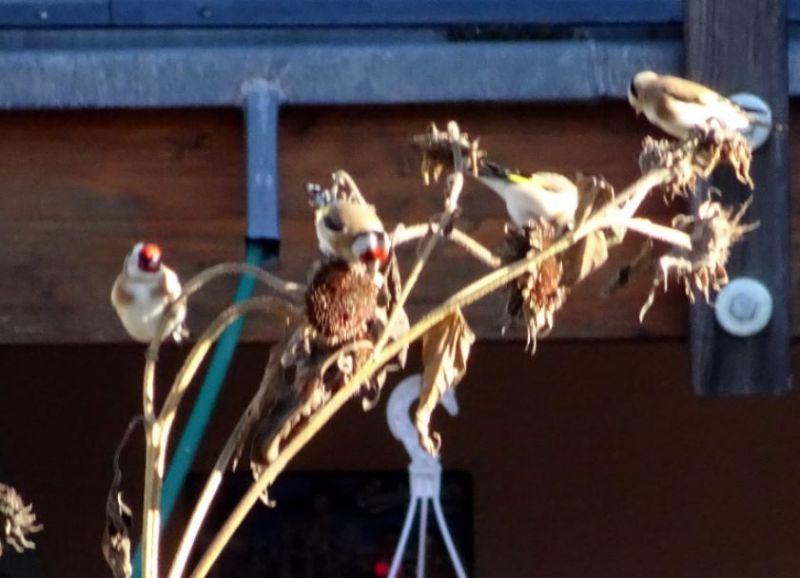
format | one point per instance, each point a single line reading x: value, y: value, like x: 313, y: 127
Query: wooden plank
x: 390, y: 12
x: 77, y: 189
x: 737, y: 47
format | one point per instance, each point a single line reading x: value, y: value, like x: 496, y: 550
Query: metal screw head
x: 743, y: 307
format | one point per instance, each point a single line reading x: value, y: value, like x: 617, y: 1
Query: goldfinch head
x: 144, y: 259
x: 638, y: 86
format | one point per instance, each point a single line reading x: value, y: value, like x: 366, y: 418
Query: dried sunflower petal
x: 17, y: 521
x: 536, y: 295
x: 713, y: 230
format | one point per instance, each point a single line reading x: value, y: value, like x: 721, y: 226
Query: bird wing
x: 489, y: 168
x: 353, y: 218
x: 120, y: 296
x: 552, y: 182
x: 170, y: 285
x: 688, y: 91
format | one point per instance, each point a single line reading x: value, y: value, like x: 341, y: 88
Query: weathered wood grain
x: 738, y: 47
x: 77, y: 189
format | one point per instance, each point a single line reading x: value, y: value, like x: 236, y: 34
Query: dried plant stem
x: 631, y: 199
x: 468, y: 295
x: 455, y: 185
x: 649, y: 229
x: 154, y: 437
x: 226, y: 455
x: 157, y: 429
x: 456, y: 236
x: 286, y: 288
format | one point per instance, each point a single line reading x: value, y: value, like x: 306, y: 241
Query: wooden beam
x: 79, y: 188
x: 742, y: 47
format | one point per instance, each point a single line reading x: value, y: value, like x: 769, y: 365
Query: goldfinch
x: 550, y: 196
x: 142, y: 292
x: 348, y: 230
x: 678, y: 106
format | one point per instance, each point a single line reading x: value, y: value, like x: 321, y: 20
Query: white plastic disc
x: 743, y: 307
x: 760, y: 132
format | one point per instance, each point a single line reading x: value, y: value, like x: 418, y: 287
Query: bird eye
x: 632, y: 89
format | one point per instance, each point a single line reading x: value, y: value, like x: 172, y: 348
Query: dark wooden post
x: 734, y: 47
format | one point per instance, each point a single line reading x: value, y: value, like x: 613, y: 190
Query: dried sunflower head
x: 340, y: 301
x: 713, y: 230
x: 537, y: 295
x: 17, y: 521
x: 696, y: 156
x: 438, y: 147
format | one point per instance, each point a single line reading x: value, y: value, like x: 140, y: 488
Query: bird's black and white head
x: 143, y: 260
x: 638, y: 86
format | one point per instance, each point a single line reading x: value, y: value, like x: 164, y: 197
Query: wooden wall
x: 589, y: 459
x: 77, y: 189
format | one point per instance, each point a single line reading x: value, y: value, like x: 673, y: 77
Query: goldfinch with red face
x: 142, y: 293
x: 348, y: 230
x: 529, y: 198
x: 678, y: 106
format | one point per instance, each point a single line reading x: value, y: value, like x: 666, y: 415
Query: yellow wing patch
x: 518, y: 179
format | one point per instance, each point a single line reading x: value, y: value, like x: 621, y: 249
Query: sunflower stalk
x: 664, y: 167
x: 157, y: 427
x: 606, y: 217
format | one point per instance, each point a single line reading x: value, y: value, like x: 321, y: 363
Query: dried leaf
x: 116, y: 542
x: 591, y: 252
x: 268, y: 390
x: 399, y: 328
x: 17, y: 521
x: 445, y: 350
x: 584, y: 257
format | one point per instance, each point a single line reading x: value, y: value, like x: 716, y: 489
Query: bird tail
x: 757, y: 115
x: 487, y: 168
x: 758, y: 118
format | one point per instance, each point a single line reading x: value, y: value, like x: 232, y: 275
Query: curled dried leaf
x: 17, y: 521
x: 713, y: 230
x: 445, y: 351
x: 116, y: 542
x: 591, y: 252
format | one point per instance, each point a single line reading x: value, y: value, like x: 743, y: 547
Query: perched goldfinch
x: 348, y: 230
x: 530, y: 197
x: 677, y: 106
x: 142, y: 292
